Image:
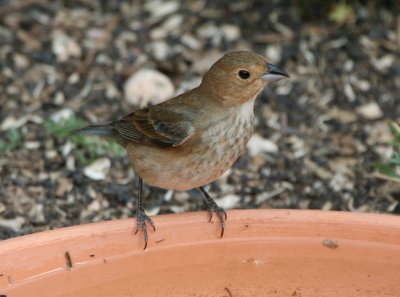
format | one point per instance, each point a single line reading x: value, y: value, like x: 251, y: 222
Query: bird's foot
x: 221, y: 213
x: 142, y: 219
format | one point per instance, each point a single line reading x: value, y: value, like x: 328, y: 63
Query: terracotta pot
x: 263, y: 253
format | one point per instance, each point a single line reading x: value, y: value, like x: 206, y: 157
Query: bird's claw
x: 142, y: 219
x: 221, y: 213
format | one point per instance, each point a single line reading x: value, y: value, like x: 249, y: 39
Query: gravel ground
x: 317, y: 135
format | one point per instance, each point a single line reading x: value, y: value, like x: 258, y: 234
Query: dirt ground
x: 317, y: 135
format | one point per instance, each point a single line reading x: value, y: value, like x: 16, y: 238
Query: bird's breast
x: 220, y: 145
x: 200, y: 161
x: 226, y: 141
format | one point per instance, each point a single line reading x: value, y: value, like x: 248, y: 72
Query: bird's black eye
x: 244, y: 74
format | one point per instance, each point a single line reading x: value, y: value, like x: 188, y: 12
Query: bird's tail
x: 98, y: 130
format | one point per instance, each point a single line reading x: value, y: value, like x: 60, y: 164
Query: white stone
x: 64, y: 46
x: 153, y: 211
x: 160, y: 9
x: 177, y: 209
x: 111, y: 90
x: 73, y: 78
x: 370, y: 111
x: 361, y: 84
x: 258, y: 144
x: 384, y: 62
x: 348, y: 91
x: 284, y: 89
x: 274, y: 53
x: 21, y: 61
x: 168, y: 195
x: 62, y: 115
x: 191, y: 42
x: 148, y: 86
x: 15, y: 123
x: 340, y: 181
x: 70, y: 163
x: 174, y: 22
x: 348, y: 66
x: 59, y: 98
x: 207, y: 30
x: 98, y: 169
x: 50, y: 154
x: 13, y: 224
x: 94, y: 206
x: 2, y: 207
x: 36, y: 213
x: 230, y: 32
x: 159, y: 49
x: 228, y: 201
x: 32, y: 145
x: 67, y: 148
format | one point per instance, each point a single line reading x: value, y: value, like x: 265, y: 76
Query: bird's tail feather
x: 99, y: 130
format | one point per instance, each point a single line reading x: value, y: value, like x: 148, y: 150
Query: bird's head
x: 239, y: 76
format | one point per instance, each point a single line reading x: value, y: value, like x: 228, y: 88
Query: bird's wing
x: 157, y: 126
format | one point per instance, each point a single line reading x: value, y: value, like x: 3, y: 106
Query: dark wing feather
x: 156, y: 126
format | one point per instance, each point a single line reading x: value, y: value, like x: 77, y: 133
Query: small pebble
x: 64, y: 46
x: 98, y: 169
x: 370, y: 111
x: 258, y: 144
x: 14, y: 224
x: 62, y: 115
x: 148, y: 86
x: 330, y: 243
x: 228, y: 201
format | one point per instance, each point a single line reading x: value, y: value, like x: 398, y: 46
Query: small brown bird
x: 190, y: 140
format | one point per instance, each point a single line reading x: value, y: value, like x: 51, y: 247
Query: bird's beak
x: 274, y: 73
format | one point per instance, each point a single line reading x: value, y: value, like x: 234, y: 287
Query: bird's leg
x: 213, y: 207
x: 142, y: 219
